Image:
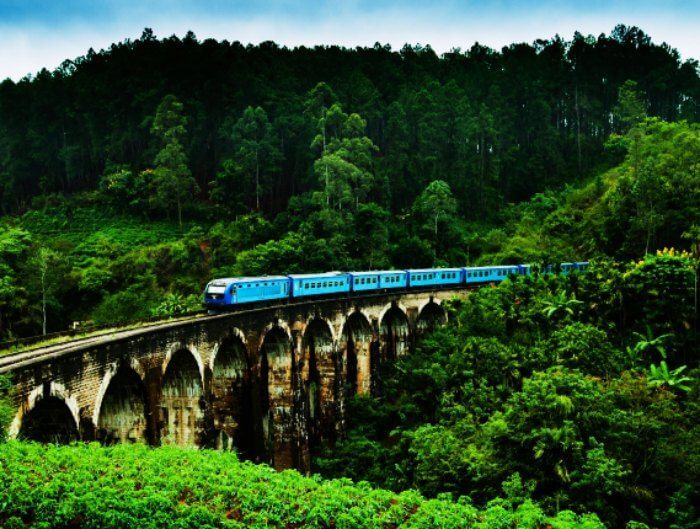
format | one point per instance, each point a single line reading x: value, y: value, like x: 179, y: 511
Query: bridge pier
x: 271, y: 383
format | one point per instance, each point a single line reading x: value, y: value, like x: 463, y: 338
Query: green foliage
x: 663, y: 377
x: 174, y: 304
x: 255, y: 160
x: 135, y: 486
x: 7, y: 410
x: 170, y: 181
x: 631, y: 108
x: 344, y: 167
x: 557, y: 409
x: 124, y: 306
x: 586, y: 347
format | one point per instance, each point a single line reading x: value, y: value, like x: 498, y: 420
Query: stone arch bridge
x: 270, y: 382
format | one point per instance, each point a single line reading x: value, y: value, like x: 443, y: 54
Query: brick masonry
x: 268, y: 382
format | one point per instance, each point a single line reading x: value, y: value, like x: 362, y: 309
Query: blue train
x: 230, y: 292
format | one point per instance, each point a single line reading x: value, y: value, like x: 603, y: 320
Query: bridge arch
x: 318, y: 371
x: 120, y: 407
x: 182, y: 398
x: 235, y: 332
x: 230, y: 394
x: 394, y: 331
x: 274, y: 399
x: 355, y: 346
x: 50, y: 414
x: 431, y: 315
x: 392, y: 307
x: 177, y: 347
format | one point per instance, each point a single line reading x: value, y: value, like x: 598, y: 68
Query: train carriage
x: 426, y: 277
x: 305, y: 285
x: 393, y: 279
x: 488, y: 274
x: 363, y: 281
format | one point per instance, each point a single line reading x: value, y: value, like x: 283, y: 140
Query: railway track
x: 37, y: 351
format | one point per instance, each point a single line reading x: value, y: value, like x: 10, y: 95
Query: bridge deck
x: 40, y: 353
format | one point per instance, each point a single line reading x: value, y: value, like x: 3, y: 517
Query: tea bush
x: 90, y: 486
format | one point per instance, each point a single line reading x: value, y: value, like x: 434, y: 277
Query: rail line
x: 14, y: 360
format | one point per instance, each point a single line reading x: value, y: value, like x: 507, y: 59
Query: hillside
x: 132, y: 176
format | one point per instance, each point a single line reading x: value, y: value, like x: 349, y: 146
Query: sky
x: 43, y: 33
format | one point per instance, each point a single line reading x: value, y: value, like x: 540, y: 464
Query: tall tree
x: 631, y: 108
x: 436, y: 202
x: 171, y: 179
x: 256, y: 158
x: 44, y: 262
x: 344, y: 168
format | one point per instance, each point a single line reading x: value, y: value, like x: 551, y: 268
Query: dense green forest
x: 584, y: 386
x: 132, y: 176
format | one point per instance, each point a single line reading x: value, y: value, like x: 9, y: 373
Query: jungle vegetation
x: 131, y: 176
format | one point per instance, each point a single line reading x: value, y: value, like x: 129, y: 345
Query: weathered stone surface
x: 268, y: 382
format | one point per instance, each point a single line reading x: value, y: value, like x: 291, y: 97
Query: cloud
x: 29, y: 46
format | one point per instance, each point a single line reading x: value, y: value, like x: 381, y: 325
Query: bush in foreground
x: 90, y: 486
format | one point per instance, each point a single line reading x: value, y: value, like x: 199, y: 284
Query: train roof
x: 499, y: 267
x: 229, y: 280
x: 423, y: 270
x: 320, y: 274
x: 376, y: 272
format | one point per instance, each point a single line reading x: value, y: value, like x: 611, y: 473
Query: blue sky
x: 36, y: 34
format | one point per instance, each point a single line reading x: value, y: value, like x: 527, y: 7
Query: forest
x: 263, y: 159
x: 131, y: 176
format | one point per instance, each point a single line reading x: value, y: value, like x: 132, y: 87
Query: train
x: 225, y: 293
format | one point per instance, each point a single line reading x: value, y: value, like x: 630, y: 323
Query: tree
x: 45, y: 262
x: 435, y: 202
x: 318, y: 100
x: 631, y: 108
x: 255, y: 159
x: 170, y: 180
x: 344, y: 167
x: 14, y: 247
